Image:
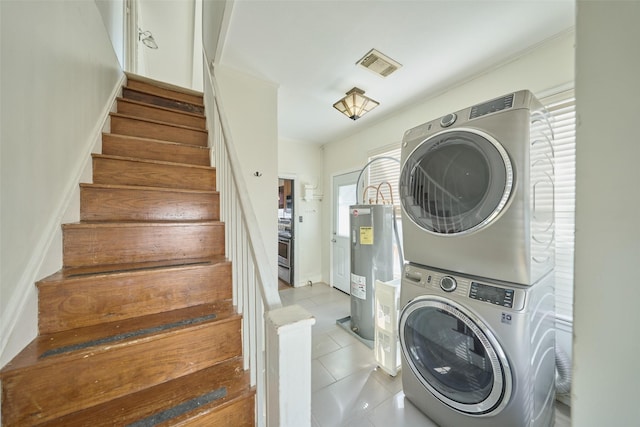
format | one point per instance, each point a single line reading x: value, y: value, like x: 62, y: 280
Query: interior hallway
x: 347, y: 387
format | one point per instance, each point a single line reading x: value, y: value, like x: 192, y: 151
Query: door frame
x: 131, y: 36
x: 294, y: 224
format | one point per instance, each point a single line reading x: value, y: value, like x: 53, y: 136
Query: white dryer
x: 476, y: 353
x: 476, y: 189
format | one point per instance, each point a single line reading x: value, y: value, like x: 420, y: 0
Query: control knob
x: 448, y: 120
x: 448, y: 284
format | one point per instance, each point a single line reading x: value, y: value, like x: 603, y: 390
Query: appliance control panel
x: 492, y: 106
x: 440, y: 282
x: 492, y: 294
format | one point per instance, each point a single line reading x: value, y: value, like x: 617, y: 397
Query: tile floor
x: 348, y: 389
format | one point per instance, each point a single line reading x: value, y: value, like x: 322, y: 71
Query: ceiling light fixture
x: 355, y: 105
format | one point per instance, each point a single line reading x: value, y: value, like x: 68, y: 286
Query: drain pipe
x: 563, y: 372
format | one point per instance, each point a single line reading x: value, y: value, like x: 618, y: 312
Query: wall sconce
x: 355, y: 104
x: 147, y: 39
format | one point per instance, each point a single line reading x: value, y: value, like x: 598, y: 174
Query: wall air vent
x: 380, y: 64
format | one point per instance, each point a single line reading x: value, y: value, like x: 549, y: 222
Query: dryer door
x: 457, y: 181
x: 455, y: 356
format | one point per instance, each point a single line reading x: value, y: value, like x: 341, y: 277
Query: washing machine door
x: 456, y: 181
x: 455, y: 356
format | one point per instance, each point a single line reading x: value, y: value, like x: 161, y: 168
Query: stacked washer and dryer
x: 477, y: 293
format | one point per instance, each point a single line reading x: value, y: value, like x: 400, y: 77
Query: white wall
x: 547, y: 66
x: 251, y: 109
x: 56, y: 91
x: 303, y: 163
x: 216, y: 15
x: 172, y: 24
x: 607, y: 290
x: 112, y: 12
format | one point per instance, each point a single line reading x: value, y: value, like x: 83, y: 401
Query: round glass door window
x: 455, y: 358
x: 456, y: 182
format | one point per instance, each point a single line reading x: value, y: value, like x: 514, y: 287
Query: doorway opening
x: 286, y: 227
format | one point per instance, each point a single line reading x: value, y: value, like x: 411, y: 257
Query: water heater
x: 371, y: 260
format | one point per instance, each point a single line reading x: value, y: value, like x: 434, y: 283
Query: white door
x: 344, y: 195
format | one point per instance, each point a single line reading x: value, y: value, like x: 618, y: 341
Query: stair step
x: 131, y: 107
x: 170, y: 401
x: 67, y: 301
x: 118, y: 170
x: 149, y: 98
x: 101, y: 202
x: 62, y: 373
x: 164, y: 89
x: 86, y: 244
x: 237, y: 413
x: 146, y: 128
x: 153, y: 149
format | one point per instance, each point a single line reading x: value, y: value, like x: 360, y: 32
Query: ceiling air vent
x: 380, y: 64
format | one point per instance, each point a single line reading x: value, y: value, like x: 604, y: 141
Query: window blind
x: 561, y: 107
x: 382, y: 171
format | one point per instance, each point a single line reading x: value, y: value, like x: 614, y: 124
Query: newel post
x: 288, y: 358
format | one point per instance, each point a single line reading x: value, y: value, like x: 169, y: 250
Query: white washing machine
x: 475, y: 352
x: 476, y: 188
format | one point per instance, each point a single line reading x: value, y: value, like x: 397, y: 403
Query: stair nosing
x: 157, y: 162
x: 158, y: 122
x: 146, y: 188
x: 160, y: 141
x: 127, y: 224
x: 68, y: 275
x: 160, y: 107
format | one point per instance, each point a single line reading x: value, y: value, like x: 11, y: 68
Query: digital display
x: 491, y: 106
x: 492, y: 294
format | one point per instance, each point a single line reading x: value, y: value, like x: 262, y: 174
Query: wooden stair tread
x: 164, y: 397
x: 155, y: 162
x: 75, y: 301
x: 48, y: 348
x: 160, y: 107
x: 143, y: 188
x: 153, y: 140
x: 155, y: 149
x: 152, y: 173
x: 168, y: 131
x: 116, y: 243
x: 133, y: 78
x: 62, y: 384
x: 139, y: 203
x: 158, y: 122
x: 151, y: 98
x: 137, y: 224
x: 131, y: 268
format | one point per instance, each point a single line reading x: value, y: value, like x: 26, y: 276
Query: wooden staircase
x: 138, y: 328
